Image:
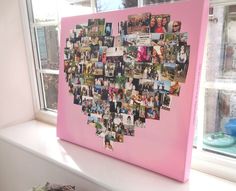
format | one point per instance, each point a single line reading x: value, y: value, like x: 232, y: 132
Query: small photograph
x: 118, y: 41
x: 142, y: 111
x: 170, y: 52
x: 129, y: 69
x: 85, y: 53
x: 130, y: 40
x: 87, y: 103
x: 128, y: 121
x: 104, y: 94
x: 157, y: 55
x: 94, y: 53
x: 102, y: 54
x: 89, y: 80
x: 140, y: 123
x: 85, y: 41
x: 123, y: 28
x: 175, y: 88
x: 81, y: 30
x: 165, y: 21
x: 138, y: 23
x: 73, y: 36
x: 98, y: 84
x: 166, y: 104
x: 87, y: 91
x: 144, y: 54
x: 143, y: 40
x: 130, y: 54
x: 108, y: 139
x: 120, y: 136
x: 94, y: 40
x: 98, y: 69
x: 77, y: 96
x: 110, y: 67
x: 174, y: 26
x: 120, y: 80
x: 157, y: 39
x: 96, y: 27
x: 138, y: 70
x: 171, y: 38
x: 183, y: 38
x: 98, y: 107
x: 169, y: 68
x: 108, y: 29
x: 109, y: 41
x: 69, y: 45
x: 154, y: 72
x: 164, y: 86
x: 88, y: 68
x: 146, y: 85
x: 84, y: 90
x: 182, y: 62
x: 156, y: 24
x: 152, y: 113
x: 115, y: 51
x: 93, y: 118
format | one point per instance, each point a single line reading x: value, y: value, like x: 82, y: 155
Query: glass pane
x: 51, y: 90
x: 106, y: 5
x: 44, y: 10
x: 220, y: 122
x: 47, y: 38
x: 221, y: 49
x: 53, y: 10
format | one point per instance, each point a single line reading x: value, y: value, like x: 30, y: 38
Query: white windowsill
x: 40, y: 139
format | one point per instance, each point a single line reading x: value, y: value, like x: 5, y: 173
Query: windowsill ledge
x: 40, y: 139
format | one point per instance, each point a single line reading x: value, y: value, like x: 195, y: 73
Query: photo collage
x: 122, y: 81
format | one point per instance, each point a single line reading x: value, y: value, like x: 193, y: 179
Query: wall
x: 20, y: 171
x: 15, y: 92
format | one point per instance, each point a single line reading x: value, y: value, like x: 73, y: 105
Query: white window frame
x: 211, y: 163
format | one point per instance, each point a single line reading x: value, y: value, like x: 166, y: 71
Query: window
x: 219, y: 93
x: 216, y: 124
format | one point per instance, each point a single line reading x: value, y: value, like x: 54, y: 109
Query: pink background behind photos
x: 165, y: 145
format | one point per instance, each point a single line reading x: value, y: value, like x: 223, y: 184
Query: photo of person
x: 165, y: 21
x: 144, y: 54
x: 156, y: 24
x: 123, y: 28
x: 166, y: 102
x: 176, y: 26
x: 182, y: 61
x: 152, y: 113
x: 109, y: 41
x: 108, y: 29
x: 110, y: 67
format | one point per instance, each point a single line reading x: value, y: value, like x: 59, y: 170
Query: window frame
x: 205, y: 161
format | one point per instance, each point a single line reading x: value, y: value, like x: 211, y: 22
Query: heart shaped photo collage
x: 122, y: 81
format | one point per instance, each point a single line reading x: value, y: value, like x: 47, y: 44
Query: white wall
x: 15, y: 92
x: 20, y: 171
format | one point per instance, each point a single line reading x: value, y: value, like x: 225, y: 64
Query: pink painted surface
x: 164, y: 146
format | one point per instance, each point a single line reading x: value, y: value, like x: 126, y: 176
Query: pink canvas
x: 163, y: 146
